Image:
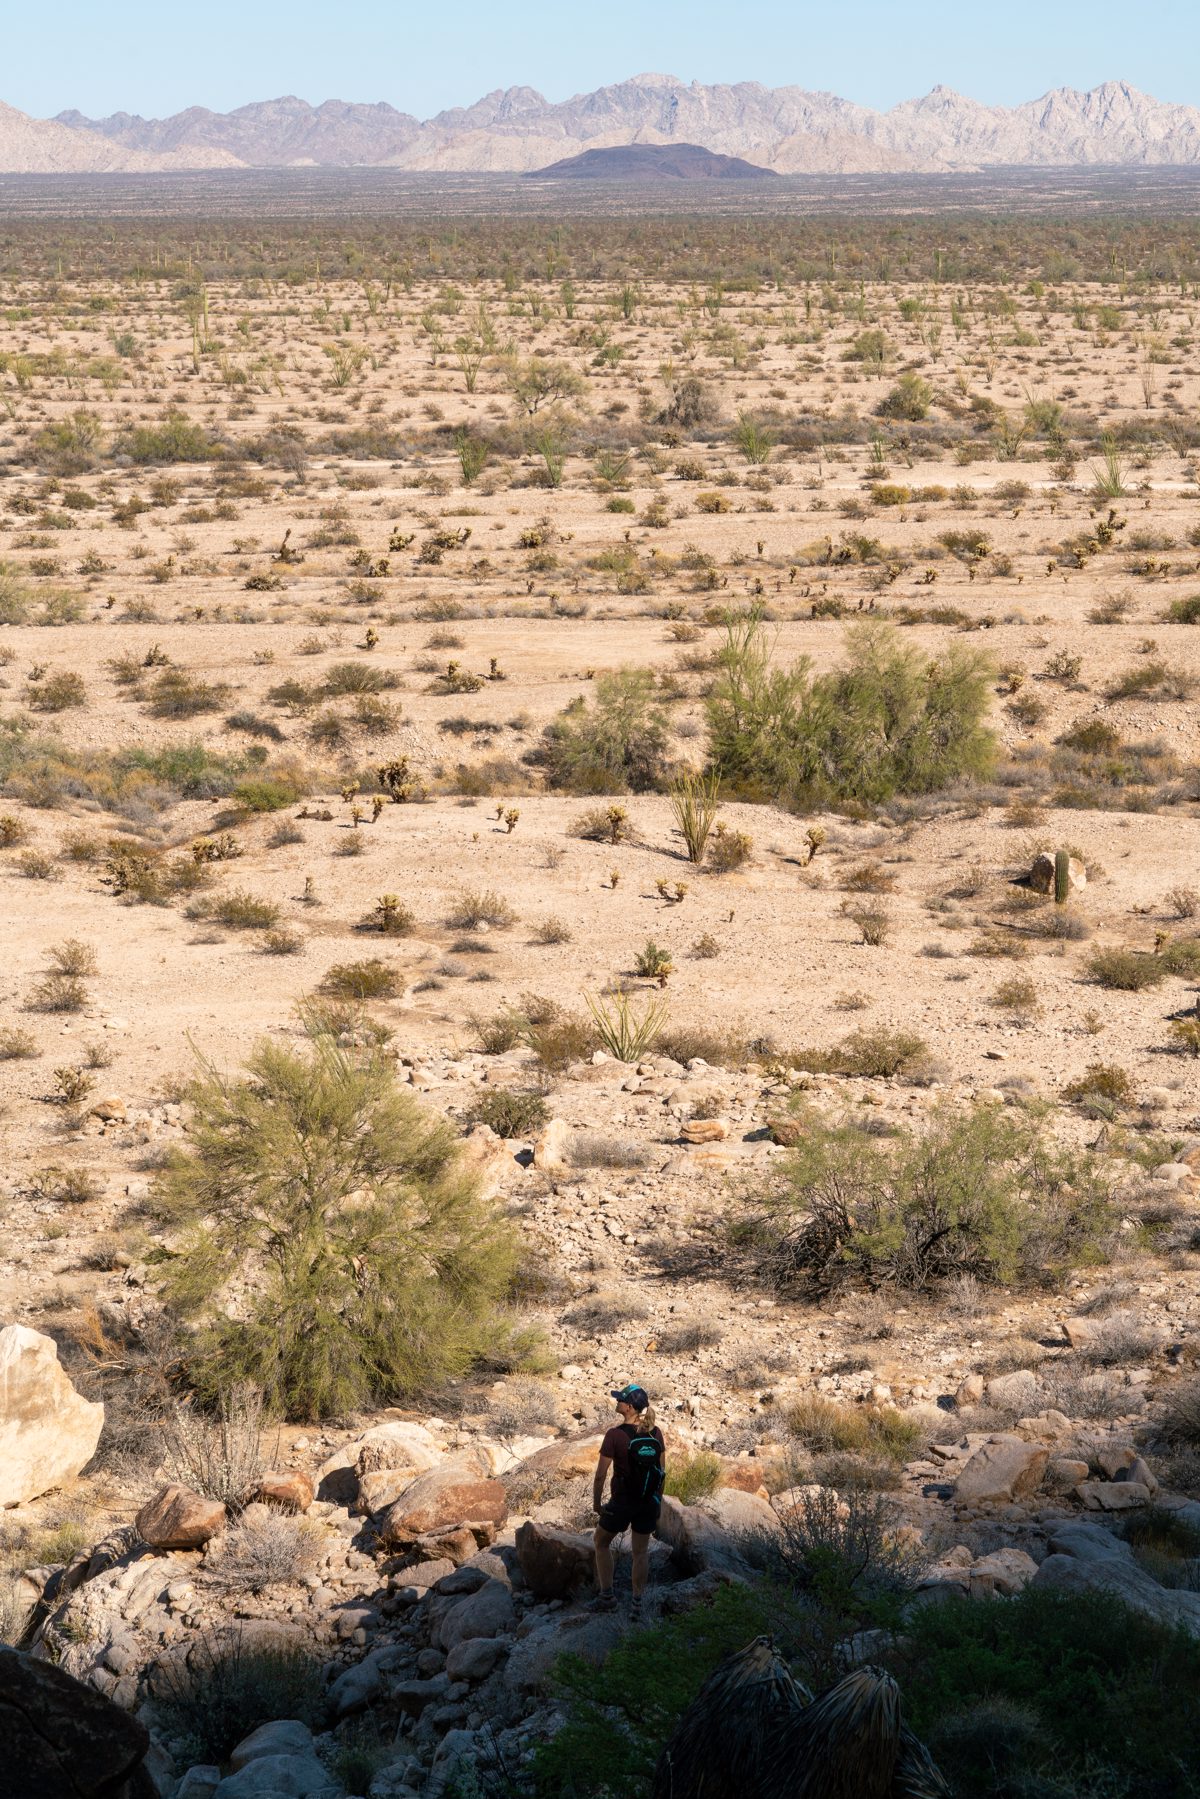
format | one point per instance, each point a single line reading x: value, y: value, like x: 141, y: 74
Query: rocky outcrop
x: 555, y: 1563
x: 63, y: 1740
x: 447, y: 1496
x: 1088, y: 1558
x: 48, y: 1431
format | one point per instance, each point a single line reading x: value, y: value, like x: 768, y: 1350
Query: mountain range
x: 787, y: 129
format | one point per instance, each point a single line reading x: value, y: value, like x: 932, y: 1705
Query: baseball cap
x: 632, y: 1395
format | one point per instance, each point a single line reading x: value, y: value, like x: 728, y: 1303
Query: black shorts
x: 622, y: 1514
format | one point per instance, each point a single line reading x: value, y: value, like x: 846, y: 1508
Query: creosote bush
x: 337, y: 1215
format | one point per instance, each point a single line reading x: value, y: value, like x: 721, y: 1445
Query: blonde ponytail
x: 645, y: 1419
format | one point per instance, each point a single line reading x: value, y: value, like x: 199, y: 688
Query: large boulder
x: 281, y: 1777
x: 554, y: 1562
x: 177, y: 1518
x: 283, y: 1736
x: 400, y: 1446
x: 1041, y: 875
x: 1002, y: 1469
x: 561, y: 1461
x: 64, y: 1740
x: 446, y: 1496
x: 486, y: 1613
x: 48, y: 1431
x: 1088, y: 1558
x: 700, y: 1543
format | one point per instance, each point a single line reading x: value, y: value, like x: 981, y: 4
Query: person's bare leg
x: 641, y: 1563
x: 604, y: 1560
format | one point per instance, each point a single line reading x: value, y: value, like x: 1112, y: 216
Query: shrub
x: 728, y: 850
x: 909, y: 399
x: 373, y: 1266
x: 888, y: 722
x: 472, y: 907
x: 693, y: 1478
x: 1184, y: 612
x: 510, y: 1112
x: 824, y: 1427
x: 59, y: 992
x: 873, y: 922
x: 551, y: 931
x: 238, y: 911
x: 627, y: 1035
x: 602, y: 824
x: 219, y: 1452
x: 266, y: 794
x: 58, y: 693
x: 227, y: 1687
x: 1102, y: 1080
x: 369, y: 979
x: 1126, y: 970
x: 615, y: 744
x: 983, y: 1192
x: 1105, y: 1698
x: 16, y: 1045
x: 694, y: 802
x: 264, y: 1548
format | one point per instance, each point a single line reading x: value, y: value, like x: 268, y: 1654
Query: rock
x: 64, y: 1740
x: 445, y: 1496
x: 177, y: 1518
x: 1114, y: 1462
x: 741, y: 1514
x: 48, y: 1431
x: 565, y: 1460
x: 1003, y: 1468
x: 970, y: 1391
x: 1041, y: 875
x: 487, y: 1613
x: 281, y: 1777
x: 745, y: 1477
x: 475, y: 1657
x: 786, y: 1131
x: 200, y: 1782
x: 284, y: 1736
x: 705, y: 1130
x: 398, y: 1445
x: 1112, y: 1495
x: 532, y: 1659
x: 698, y: 1542
x: 551, y: 1151
x: 1065, y: 1471
x: 1000, y: 1574
x: 110, y: 1111
x: 1016, y: 1392
x: 290, y: 1490
x: 362, y: 1684
x: 486, y: 1154
x: 412, y: 1696
x: 1089, y: 1558
x: 381, y: 1488
x: 555, y: 1563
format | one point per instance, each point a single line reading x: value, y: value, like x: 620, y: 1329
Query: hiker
x: 635, y: 1452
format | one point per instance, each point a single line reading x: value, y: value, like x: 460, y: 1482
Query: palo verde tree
x: 330, y: 1245
x: 889, y: 720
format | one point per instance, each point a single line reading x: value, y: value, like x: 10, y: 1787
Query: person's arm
x: 603, y: 1464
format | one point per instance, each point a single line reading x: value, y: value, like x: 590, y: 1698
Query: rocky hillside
x: 786, y: 129
x: 50, y: 147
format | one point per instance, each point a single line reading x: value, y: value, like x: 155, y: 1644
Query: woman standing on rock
x: 635, y: 1452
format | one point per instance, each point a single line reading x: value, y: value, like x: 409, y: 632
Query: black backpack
x: 646, y: 1471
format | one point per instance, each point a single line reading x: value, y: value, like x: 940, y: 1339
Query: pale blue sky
x: 154, y: 56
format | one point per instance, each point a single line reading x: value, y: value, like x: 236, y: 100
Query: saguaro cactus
x: 1062, y: 877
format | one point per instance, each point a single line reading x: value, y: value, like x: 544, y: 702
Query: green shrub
x: 694, y: 1478
x: 910, y: 399
x: 369, y: 979
x: 372, y: 1266
x: 266, y: 794
x: 619, y: 1716
x: 982, y: 1192
x: 1184, y: 612
x: 1127, y: 970
x: 176, y: 438
x: 1111, y: 1695
x: 238, y: 911
x: 889, y: 721
x: 617, y: 743
x: 510, y: 1112
x: 1103, y: 1080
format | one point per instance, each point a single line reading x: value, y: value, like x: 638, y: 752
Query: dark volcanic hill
x: 654, y: 162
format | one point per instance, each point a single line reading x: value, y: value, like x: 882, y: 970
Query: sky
x: 152, y: 57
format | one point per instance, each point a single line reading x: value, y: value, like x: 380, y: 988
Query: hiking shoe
x: 635, y: 1611
x: 603, y: 1602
